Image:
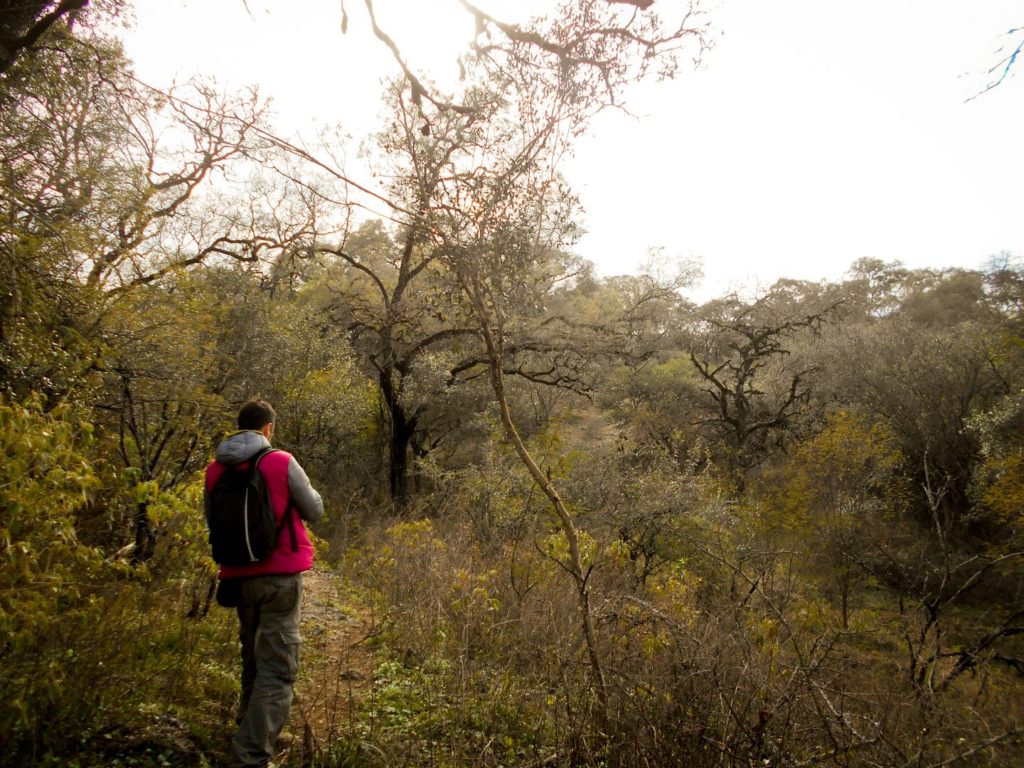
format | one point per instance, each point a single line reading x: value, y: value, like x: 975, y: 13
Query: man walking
x: 266, y: 592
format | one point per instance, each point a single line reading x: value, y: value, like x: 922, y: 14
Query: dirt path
x: 336, y: 668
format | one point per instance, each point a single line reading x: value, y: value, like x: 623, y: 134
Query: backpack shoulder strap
x: 254, y: 460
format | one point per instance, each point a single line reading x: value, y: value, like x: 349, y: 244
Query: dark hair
x: 256, y: 414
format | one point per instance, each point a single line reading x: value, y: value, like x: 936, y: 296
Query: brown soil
x: 336, y: 669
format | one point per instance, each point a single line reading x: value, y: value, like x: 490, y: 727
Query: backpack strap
x: 254, y: 460
x: 251, y: 462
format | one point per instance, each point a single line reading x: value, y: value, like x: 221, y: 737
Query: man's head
x: 258, y: 415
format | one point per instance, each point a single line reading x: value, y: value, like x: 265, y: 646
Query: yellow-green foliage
x: 44, y: 478
x: 828, y: 502
x: 847, y: 473
x: 47, y: 577
x: 88, y: 641
x: 998, y: 483
x: 437, y: 589
x: 1003, y: 494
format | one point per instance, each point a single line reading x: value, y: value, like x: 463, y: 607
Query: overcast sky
x: 814, y: 133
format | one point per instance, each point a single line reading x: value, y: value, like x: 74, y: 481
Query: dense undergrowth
x: 100, y: 655
x: 717, y: 652
x: 719, y: 657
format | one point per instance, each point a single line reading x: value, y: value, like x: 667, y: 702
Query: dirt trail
x: 336, y: 669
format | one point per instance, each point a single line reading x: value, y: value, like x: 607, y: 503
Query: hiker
x: 266, y: 590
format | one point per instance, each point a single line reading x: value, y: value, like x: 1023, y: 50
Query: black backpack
x: 241, y: 517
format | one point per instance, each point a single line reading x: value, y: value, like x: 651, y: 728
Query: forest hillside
x: 572, y: 520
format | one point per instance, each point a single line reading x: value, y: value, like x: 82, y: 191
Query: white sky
x: 816, y: 132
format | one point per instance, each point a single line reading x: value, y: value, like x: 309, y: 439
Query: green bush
x: 100, y: 658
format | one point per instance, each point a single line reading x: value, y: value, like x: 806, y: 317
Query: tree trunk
x: 575, y: 564
x: 845, y: 597
x: 398, y: 471
x: 145, y: 536
x: 402, y: 430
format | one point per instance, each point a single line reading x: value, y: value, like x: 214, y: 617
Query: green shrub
x: 98, y: 655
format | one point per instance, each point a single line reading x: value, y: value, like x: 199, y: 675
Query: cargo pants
x: 268, y: 616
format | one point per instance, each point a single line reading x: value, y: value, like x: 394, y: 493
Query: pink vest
x: 283, y: 560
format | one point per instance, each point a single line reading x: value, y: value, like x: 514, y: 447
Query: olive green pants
x: 268, y: 617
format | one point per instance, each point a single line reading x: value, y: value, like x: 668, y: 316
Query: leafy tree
x: 1004, y: 290
x: 522, y: 214
x: 756, y: 392
x: 160, y: 393
x: 410, y: 321
x: 839, y: 489
x: 927, y: 382
x: 46, y: 477
x: 658, y: 399
x: 24, y: 25
x: 874, y: 288
x: 398, y: 309
x: 998, y: 488
x: 106, y: 190
x: 88, y: 642
x: 280, y: 344
x: 947, y: 299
